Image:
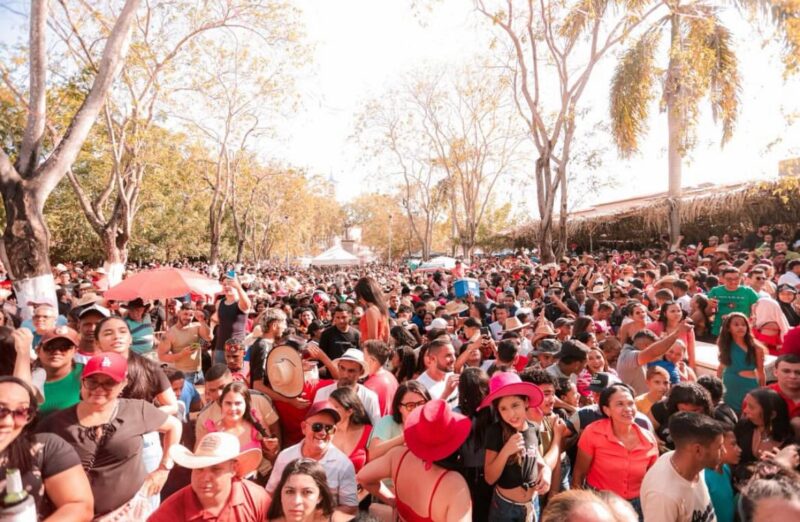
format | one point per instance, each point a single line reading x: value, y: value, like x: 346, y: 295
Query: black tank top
x: 232, y: 323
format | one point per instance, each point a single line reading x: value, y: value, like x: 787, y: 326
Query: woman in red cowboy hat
x: 422, y: 483
x: 513, y: 463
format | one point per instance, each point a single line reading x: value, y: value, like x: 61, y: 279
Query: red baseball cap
x: 110, y: 364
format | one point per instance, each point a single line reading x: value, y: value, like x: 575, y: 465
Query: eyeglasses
x: 91, y: 384
x: 410, y: 406
x: 319, y: 426
x: 21, y: 415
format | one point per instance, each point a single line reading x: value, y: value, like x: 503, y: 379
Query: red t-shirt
x: 793, y: 407
x: 384, y: 385
x: 791, y: 342
x: 291, y: 417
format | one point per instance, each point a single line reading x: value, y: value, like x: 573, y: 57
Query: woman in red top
x: 354, y: 428
x: 614, y: 453
x: 422, y: 483
x: 374, y: 324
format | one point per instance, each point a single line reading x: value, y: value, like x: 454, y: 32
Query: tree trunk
x: 239, y: 249
x: 563, y: 213
x: 675, y: 125
x: 545, y: 198
x: 115, y: 250
x: 25, y: 246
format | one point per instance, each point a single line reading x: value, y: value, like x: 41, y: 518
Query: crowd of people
x: 502, y: 389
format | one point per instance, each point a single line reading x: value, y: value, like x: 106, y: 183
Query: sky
x: 363, y: 47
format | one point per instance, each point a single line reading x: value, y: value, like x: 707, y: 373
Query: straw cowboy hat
x: 455, y: 308
x: 216, y: 448
x: 434, y: 432
x: 88, y: 298
x: 504, y: 384
x: 513, y: 324
x: 285, y: 371
x: 542, y: 331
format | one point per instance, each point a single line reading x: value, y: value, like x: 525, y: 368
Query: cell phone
x: 230, y: 274
x: 485, y: 331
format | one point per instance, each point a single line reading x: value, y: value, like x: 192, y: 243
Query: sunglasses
x: 319, y: 426
x: 55, y: 347
x: 410, y: 406
x: 91, y: 384
x: 20, y: 415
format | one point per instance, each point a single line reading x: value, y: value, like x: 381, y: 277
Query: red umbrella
x: 162, y: 283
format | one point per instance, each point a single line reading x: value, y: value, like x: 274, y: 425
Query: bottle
x: 18, y: 505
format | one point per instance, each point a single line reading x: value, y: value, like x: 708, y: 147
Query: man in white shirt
x: 500, y: 315
x: 351, y: 366
x: 792, y: 275
x: 438, y: 377
x: 674, y: 489
x: 319, y: 428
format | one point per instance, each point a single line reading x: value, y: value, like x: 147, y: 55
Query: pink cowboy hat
x: 504, y: 384
x: 433, y: 432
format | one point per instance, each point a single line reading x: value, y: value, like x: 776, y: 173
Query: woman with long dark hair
x: 388, y: 432
x: 764, y: 425
x: 354, y: 427
x: 513, y: 464
x: 49, y: 467
x: 669, y: 318
x: 239, y: 418
x: 473, y: 386
x: 374, y: 324
x: 146, y: 381
x: 741, y: 360
x: 302, y: 494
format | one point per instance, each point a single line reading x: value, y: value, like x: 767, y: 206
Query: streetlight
x: 390, y: 239
x: 286, y: 220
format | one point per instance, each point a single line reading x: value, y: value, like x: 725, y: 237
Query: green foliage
x: 632, y: 91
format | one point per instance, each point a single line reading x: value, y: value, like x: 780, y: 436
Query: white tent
x: 438, y: 263
x: 336, y: 255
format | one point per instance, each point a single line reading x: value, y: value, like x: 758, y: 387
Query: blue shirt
x: 188, y: 395
x: 720, y: 489
x: 28, y: 323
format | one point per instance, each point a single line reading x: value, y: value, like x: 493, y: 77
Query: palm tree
x: 701, y: 63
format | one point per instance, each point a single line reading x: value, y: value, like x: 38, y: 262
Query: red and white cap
x: 110, y: 364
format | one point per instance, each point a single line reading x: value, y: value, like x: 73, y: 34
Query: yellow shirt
x: 644, y: 404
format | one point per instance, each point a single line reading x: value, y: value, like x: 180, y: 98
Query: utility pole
x: 390, y: 240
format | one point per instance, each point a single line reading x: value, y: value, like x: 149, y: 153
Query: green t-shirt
x: 63, y: 393
x: 740, y: 300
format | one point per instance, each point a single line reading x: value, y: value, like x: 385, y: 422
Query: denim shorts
x: 504, y: 510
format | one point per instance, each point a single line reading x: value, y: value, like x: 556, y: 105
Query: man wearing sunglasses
x: 319, y: 428
x: 62, y: 387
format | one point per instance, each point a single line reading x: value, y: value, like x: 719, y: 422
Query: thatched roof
x: 705, y: 210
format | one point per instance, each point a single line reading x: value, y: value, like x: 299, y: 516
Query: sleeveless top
x: 404, y: 511
x: 359, y: 454
x: 253, y: 442
x: 232, y: 322
x: 383, y: 329
x: 736, y: 386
